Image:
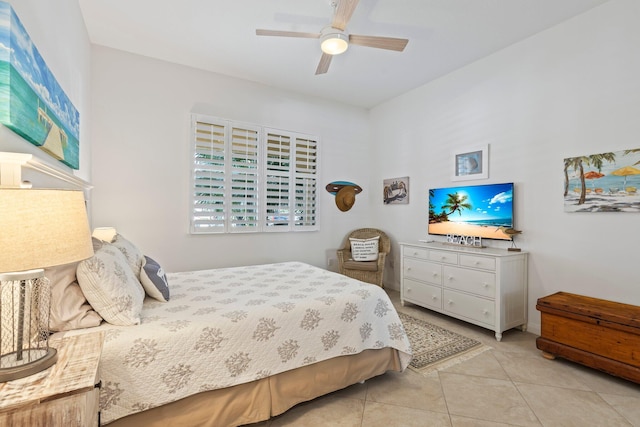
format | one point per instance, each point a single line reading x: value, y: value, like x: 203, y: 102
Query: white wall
x: 64, y: 45
x: 572, y: 90
x: 141, y: 159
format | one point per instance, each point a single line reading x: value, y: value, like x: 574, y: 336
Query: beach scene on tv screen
x: 480, y: 210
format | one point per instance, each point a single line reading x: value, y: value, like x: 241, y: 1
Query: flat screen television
x: 471, y: 210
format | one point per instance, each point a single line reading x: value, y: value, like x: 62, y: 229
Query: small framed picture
x: 471, y: 164
x: 395, y: 191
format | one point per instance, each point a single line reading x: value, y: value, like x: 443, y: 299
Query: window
x: 252, y: 179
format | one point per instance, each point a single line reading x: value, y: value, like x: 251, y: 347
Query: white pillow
x: 154, y: 280
x: 364, y: 249
x: 133, y: 255
x: 111, y: 287
x: 69, y: 307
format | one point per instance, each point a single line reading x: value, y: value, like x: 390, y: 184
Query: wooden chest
x: 601, y: 334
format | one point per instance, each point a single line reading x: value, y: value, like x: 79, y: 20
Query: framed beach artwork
x: 471, y: 164
x: 395, y: 191
x: 32, y: 103
x: 604, y: 182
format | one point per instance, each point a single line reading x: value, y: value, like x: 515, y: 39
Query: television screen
x: 478, y: 210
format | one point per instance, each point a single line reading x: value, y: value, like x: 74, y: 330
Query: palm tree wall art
x: 614, y: 181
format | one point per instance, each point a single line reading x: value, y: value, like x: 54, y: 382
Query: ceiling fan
x: 334, y: 39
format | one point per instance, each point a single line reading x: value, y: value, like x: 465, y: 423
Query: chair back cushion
x: 364, y: 249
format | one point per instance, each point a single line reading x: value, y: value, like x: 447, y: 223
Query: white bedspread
x: 229, y: 326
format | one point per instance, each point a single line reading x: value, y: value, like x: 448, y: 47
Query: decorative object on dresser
x: 367, y: 269
x: 67, y: 396
x: 601, y: 334
x: 486, y: 287
x: 40, y: 228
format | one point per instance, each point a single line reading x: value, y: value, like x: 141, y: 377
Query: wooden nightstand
x: 67, y: 394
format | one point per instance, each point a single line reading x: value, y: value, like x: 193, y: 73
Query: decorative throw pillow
x: 111, y: 287
x: 364, y: 249
x: 154, y: 280
x: 133, y: 255
x: 69, y: 307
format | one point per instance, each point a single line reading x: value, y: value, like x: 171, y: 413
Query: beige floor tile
x: 557, y: 406
x: 457, y: 421
x: 602, y: 382
x: 382, y: 415
x: 408, y: 389
x: 535, y: 369
x: 483, y: 365
x: 627, y: 406
x: 486, y: 399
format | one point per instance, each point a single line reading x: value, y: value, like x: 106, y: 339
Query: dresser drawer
x: 470, y: 307
x: 423, y: 270
x: 476, y: 282
x: 413, y: 252
x: 426, y: 295
x: 444, y: 257
x: 478, y: 262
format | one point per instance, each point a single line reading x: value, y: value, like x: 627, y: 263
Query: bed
x: 235, y: 346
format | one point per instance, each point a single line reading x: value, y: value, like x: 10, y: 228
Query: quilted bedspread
x: 229, y: 326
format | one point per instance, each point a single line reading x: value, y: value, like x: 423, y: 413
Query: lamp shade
x: 42, y: 228
x: 107, y: 234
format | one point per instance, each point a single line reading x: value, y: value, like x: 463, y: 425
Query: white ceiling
x: 220, y: 36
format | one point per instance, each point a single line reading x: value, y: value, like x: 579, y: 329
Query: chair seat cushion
x: 361, y: 265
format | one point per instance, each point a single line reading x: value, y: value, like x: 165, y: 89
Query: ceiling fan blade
x: 389, y: 43
x: 323, y: 65
x: 279, y: 33
x: 343, y: 13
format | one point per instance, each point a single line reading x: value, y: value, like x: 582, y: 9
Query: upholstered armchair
x: 367, y: 271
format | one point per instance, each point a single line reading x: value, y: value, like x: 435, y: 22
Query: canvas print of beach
x: 479, y: 210
x: 605, y: 182
x: 32, y: 103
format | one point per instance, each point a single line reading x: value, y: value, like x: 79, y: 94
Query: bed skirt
x: 260, y: 400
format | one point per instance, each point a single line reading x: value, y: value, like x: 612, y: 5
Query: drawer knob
x: 477, y: 263
x: 485, y: 285
x: 485, y: 311
x: 433, y: 297
x: 450, y: 302
x: 450, y: 277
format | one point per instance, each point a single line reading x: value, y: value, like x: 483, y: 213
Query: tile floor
x: 510, y: 385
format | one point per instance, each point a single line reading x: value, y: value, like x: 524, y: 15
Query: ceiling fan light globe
x: 334, y: 43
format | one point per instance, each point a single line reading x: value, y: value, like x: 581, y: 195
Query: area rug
x: 435, y: 348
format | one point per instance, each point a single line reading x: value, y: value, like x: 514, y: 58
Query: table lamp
x: 39, y: 228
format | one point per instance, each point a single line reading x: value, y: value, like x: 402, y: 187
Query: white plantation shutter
x: 306, y: 180
x: 246, y: 179
x: 243, y: 179
x: 291, y: 175
x: 209, y: 205
x: 278, y: 177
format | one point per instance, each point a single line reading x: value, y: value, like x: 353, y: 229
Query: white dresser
x: 483, y: 286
